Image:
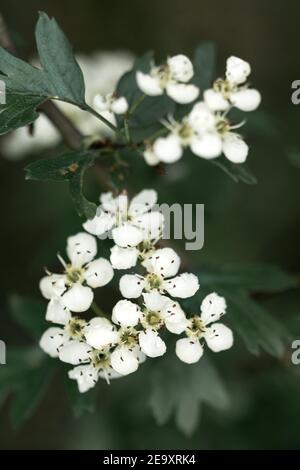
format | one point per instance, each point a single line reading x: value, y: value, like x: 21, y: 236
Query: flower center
x: 75, y: 328
x: 224, y: 87
x: 100, y: 359
x: 222, y: 125
x: 74, y: 275
x: 152, y: 319
x: 185, y: 132
x: 196, y: 327
x: 153, y: 281
x: 163, y: 73
x: 128, y: 337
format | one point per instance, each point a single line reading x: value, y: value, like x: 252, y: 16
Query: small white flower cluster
x: 206, y: 130
x: 111, y: 348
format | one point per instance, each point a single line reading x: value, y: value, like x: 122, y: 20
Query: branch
x: 71, y: 135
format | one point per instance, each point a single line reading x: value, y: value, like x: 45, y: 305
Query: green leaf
x: 29, y: 314
x: 83, y: 206
x: 204, y: 65
x: 80, y: 403
x: 62, y: 72
x: 258, y: 329
x: 60, y: 168
x: 238, y: 172
x: 19, y: 110
x: 30, y: 392
x: 182, y: 391
x: 252, y: 277
x: 27, y: 87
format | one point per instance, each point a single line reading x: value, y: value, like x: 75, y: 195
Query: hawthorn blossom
x: 217, y: 336
x: 73, y: 290
x: 233, y: 91
x: 135, y: 228
x: 162, y: 265
x: 110, y: 105
x: 171, y: 77
x: 205, y: 132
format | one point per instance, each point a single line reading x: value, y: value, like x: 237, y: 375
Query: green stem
x: 126, y: 129
x: 98, y: 311
x: 136, y: 104
x: 104, y: 120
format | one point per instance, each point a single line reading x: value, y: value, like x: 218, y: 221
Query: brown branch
x: 71, y: 135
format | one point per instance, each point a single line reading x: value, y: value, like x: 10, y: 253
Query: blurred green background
x: 243, y: 223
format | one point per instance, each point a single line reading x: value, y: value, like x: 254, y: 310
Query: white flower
x: 135, y: 228
x: 206, y: 133
x: 110, y: 105
x: 171, y: 77
x: 72, y: 291
x: 217, y: 336
x: 67, y: 342
x: 233, y: 91
x: 161, y: 265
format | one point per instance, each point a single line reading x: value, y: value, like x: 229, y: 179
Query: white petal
x: 141, y: 357
x: 119, y: 105
x: 99, y: 273
x: 154, y: 301
x: 142, y: 202
x: 208, y: 145
x: 174, y: 317
x: 181, y: 68
x: 100, y: 103
x: 246, y: 100
x: 100, y: 224
x: 150, y: 157
x: 86, y: 376
x: 168, y: 149
x: 78, y: 298
x: 127, y: 235
x: 234, y: 148
x: 52, y: 286
x: 237, y: 70
x: 151, y: 224
x: 215, y: 100
x: 151, y: 343
x: 109, y: 202
x: 201, y: 118
x: 100, y: 333
x: 75, y: 352
x: 164, y: 262
x: 124, y: 361
x: 148, y: 84
x: 188, y: 350
x: 219, y: 337
x: 212, y: 308
x: 52, y: 340
x: 57, y: 312
x: 182, y: 286
x: 123, y: 258
x: 131, y: 286
x: 81, y: 248
x: 126, y: 313
x: 182, y: 93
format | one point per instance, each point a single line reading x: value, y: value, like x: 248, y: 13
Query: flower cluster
x: 112, y: 347
x: 206, y: 129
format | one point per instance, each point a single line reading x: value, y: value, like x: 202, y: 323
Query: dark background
x: 243, y: 223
